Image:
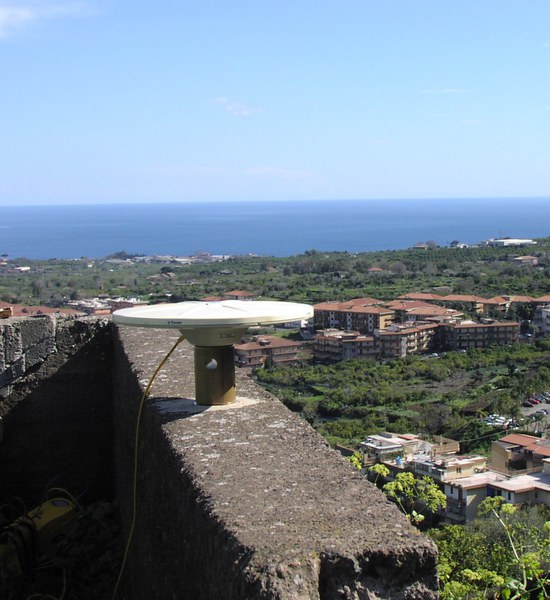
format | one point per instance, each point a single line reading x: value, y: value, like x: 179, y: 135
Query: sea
x: 281, y: 228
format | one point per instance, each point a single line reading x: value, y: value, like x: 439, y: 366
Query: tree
x: 503, y: 553
x: 411, y: 494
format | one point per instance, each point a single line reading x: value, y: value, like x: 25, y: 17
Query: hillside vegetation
x: 311, y: 277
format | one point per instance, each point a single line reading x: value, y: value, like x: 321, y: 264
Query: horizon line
x: 284, y: 200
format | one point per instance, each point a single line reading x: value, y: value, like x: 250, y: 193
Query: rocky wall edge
x: 247, y: 501
x: 55, y: 406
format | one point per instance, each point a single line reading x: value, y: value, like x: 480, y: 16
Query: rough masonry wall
x: 55, y: 407
x: 248, y: 502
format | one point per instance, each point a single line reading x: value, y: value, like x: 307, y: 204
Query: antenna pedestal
x: 212, y: 328
x: 214, y: 375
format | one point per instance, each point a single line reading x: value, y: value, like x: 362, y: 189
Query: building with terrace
x: 465, y: 494
x: 334, y: 345
x: 400, y: 340
x: 470, y: 334
x: 358, y: 315
x: 266, y: 350
x: 519, y: 452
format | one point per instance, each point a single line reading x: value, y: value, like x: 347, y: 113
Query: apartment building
x: 400, y: 340
x: 361, y: 314
x: 465, y: 494
x: 334, y: 345
x: 519, y: 452
x: 529, y: 488
x: 449, y: 468
x: 266, y: 350
x: 469, y: 334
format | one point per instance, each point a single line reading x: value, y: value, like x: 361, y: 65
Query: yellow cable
x: 136, y: 441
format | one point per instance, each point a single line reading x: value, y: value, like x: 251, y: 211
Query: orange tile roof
x: 434, y: 310
x: 240, y: 293
x: 520, y: 298
x: 421, y: 296
x: 371, y: 310
x: 406, y: 304
x: 531, y: 443
x: 365, y: 301
x: 350, y: 306
x: 327, y: 306
x: 462, y: 298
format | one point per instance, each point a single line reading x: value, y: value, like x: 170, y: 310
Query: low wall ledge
x: 249, y: 501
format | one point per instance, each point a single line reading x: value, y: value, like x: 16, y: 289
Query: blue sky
x: 173, y: 101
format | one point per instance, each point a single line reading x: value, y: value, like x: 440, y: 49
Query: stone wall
x: 55, y: 407
x: 247, y: 501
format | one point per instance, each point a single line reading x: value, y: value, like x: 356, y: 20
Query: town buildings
x: 370, y: 328
x: 519, y: 469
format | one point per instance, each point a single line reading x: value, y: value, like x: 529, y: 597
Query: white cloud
x: 446, y: 91
x: 17, y: 14
x: 237, y: 109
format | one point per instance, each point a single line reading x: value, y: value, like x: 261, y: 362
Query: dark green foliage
x: 503, y: 553
x: 445, y: 397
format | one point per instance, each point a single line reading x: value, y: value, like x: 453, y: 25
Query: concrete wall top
x: 291, y: 517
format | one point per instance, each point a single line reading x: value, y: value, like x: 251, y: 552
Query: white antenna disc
x: 213, y: 323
